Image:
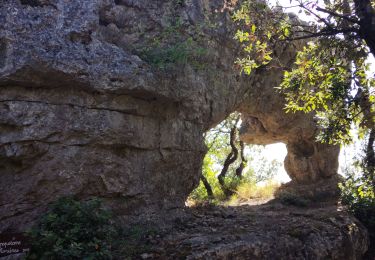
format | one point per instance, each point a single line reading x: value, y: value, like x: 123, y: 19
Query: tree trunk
x: 366, y: 15
x: 370, y: 158
x: 231, y: 158
x: 240, y: 168
x: 208, y: 187
x: 363, y: 99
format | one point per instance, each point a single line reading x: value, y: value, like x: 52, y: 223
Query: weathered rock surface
x: 270, y: 231
x: 82, y: 114
x: 265, y: 122
x: 86, y: 110
x: 312, y: 166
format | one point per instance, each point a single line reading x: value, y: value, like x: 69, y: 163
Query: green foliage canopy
x: 330, y: 75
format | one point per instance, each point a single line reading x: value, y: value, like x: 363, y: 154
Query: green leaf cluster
x: 330, y: 76
x: 358, y: 189
x: 73, y: 230
x: 167, y: 56
x: 259, y: 29
x: 176, y: 45
x: 358, y: 194
x: 327, y: 80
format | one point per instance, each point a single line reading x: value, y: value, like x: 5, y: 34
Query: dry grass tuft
x: 247, y: 192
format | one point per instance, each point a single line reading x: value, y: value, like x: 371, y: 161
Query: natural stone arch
x: 265, y: 122
x: 306, y: 162
x: 82, y: 114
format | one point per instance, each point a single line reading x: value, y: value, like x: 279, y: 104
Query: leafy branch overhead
x: 330, y: 75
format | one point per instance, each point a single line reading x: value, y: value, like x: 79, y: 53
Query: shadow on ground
x: 269, y: 231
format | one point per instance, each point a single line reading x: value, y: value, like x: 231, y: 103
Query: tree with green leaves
x: 330, y: 76
x: 226, y: 161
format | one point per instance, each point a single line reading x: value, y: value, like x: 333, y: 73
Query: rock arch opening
x: 307, y: 162
x: 237, y: 173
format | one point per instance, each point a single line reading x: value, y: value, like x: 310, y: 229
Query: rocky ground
x: 268, y: 231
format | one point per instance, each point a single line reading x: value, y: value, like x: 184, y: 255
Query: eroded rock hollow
x: 265, y: 122
x: 111, y: 98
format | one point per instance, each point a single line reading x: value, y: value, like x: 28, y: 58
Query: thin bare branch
x: 345, y: 17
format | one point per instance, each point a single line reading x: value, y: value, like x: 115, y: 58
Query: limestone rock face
x: 81, y: 113
x: 265, y: 122
x: 110, y: 98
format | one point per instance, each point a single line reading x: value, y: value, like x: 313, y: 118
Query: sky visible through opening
x: 278, y: 152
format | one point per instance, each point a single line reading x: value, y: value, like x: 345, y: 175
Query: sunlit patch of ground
x: 245, y: 194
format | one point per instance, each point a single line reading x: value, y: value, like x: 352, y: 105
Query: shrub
x: 358, y: 195
x: 180, y: 53
x: 73, y: 230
